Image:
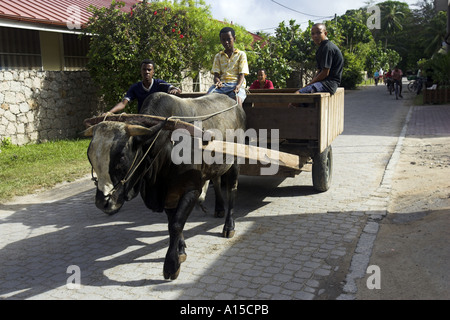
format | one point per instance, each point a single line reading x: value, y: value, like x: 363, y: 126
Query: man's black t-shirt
x: 139, y: 92
x: 329, y: 56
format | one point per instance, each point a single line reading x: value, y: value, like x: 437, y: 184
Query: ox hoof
x: 219, y: 214
x: 174, y: 276
x: 182, y: 258
x: 228, y: 234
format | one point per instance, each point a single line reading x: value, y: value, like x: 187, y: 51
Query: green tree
x: 354, y: 29
x: 435, y: 32
x: 438, y: 67
x: 179, y: 36
x: 287, y: 56
x: 270, y: 55
x: 300, y: 51
x: 121, y: 40
x: 352, y: 72
x: 393, y: 14
x: 380, y: 58
x: 423, y: 32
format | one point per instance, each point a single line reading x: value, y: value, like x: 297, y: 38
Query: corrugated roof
x: 52, y: 12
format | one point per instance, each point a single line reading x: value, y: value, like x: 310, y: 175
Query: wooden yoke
x: 146, y: 121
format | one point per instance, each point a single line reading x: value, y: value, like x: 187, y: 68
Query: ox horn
x: 137, y: 130
x: 89, y: 132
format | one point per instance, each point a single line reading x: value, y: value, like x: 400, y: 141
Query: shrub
x: 351, y: 75
x: 438, y: 68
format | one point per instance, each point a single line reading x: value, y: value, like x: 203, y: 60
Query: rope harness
x: 131, y: 170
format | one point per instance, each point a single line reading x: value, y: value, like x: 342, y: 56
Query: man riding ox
x: 131, y: 158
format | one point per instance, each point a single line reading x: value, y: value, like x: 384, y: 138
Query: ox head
x: 114, y: 152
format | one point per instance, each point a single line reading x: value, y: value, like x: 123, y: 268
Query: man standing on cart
x: 330, y: 63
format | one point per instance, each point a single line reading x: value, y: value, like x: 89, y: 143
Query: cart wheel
x: 322, y: 169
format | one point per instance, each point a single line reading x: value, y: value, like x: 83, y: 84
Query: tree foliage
x: 419, y: 31
x: 182, y: 38
x: 354, y: 30
x: 380, y: 58
x: 438, y: 68
x: 178, y: 36
x: 121, y: 40
x: 271, y: 57
x: 393, y: 14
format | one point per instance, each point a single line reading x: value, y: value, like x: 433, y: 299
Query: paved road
x: 291, y: 243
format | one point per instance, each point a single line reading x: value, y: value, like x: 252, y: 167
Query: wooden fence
x: 438, y: 96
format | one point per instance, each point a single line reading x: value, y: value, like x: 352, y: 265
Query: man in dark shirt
x: 146, y: 87
x: 330, y: 63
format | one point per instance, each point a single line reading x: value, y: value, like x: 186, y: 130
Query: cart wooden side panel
x: 320, y: 117
x: 292, y: 123
x: 331, y: 118
x: 316, y: 122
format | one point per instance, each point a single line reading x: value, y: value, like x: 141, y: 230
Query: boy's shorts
x: 228, y: 90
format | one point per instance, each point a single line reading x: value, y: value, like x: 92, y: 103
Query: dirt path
x: 422, y: 179
x: 412, y: 247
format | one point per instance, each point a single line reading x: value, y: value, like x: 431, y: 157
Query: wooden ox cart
x: 305, y: 132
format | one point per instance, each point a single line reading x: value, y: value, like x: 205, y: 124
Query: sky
x: 266, y: 15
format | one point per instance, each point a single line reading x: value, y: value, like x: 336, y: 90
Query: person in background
x: 146, y: 87
x: 262, y: 82
x: 376, y: 77
x: 397, y: 76
x: 388, y: 80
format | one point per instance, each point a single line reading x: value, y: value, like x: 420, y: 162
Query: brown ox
x: 117, y: 148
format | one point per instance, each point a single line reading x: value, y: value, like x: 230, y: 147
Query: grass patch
x: 25, y: 169
x: 418, y: 100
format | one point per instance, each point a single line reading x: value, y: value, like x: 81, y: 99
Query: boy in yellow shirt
x: 230, y: 68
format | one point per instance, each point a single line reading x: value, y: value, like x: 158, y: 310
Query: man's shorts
x: 313, y: 88
x: 228, y: 90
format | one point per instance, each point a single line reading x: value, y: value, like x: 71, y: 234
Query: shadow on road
x: 280, y: 250
x: 53, y: 236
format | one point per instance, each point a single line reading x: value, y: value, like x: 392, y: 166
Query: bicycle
x: 397, y: 89
x: 390, y: 85
x: 415, y: 85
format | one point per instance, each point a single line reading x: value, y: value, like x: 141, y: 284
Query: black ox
x: 116, y: 151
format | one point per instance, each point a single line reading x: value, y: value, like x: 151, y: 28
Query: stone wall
x: 206, y: 80
x: 38, y: 106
